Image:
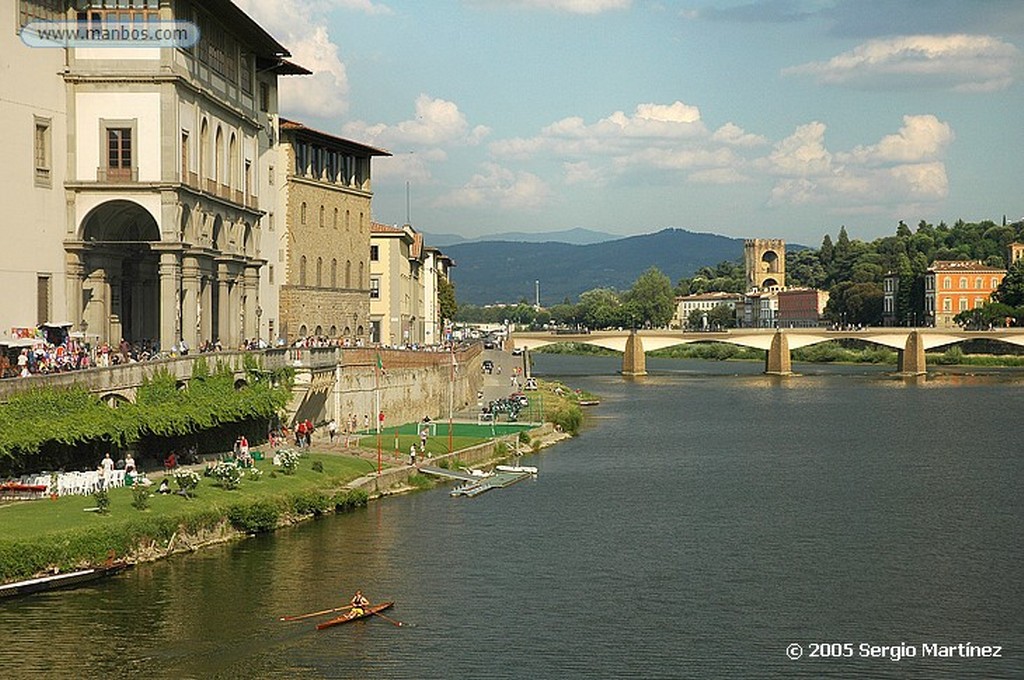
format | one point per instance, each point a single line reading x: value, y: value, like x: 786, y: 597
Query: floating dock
x: 475, y: 485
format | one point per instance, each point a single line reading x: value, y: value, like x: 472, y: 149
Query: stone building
x: 320, y: 267
x: 703, y: 302
x: 765, y: 263
x: 137, y: 178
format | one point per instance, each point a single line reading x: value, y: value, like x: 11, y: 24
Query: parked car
x: 488, y: 344
x: 488, y: 366
x: 531, y: 384
x: 517, y: 351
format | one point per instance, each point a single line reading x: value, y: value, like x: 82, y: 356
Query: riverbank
x: 44, y: 536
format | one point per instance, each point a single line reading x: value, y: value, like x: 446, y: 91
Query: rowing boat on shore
x: 349, y: 617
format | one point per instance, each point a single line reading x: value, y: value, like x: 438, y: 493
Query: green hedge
x: 72, y: 417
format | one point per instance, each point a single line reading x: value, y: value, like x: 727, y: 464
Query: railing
x: 104, y: 174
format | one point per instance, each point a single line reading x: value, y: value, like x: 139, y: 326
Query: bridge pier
x: 778, y: 360
x: 911, y: 357
x: 634, y: 361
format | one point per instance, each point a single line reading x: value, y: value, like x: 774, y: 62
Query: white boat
x: 528, y: 469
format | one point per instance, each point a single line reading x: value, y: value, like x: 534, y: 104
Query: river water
x: 707, y: 519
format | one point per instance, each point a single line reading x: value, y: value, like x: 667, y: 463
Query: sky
x: 746, y: 118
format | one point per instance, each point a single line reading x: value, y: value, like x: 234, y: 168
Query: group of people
x: 304, y: 433
x: 241, y: 451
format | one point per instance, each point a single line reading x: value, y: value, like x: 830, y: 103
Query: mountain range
x: 494, y: 270
x: 577, y: 236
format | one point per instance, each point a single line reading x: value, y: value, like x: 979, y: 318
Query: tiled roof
x: 963, y: 266
x: 293, y: 125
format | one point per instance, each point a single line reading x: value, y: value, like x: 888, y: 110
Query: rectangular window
x: 963, y: 304
x: 42, y: 298
x: 119, y: 150
x: 947, y: 305
x: 270, y: 274
x: 184, y: 155
x: 374, y: 288
x: 41, y: 143
x: 246, y: 74
x: 374, y: 253
x: 264, y: 97
x: 41, y: 10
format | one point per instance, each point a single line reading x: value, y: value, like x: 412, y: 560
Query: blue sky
x: 748, y: 118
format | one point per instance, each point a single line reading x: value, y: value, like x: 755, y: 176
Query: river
x: 707, y: 518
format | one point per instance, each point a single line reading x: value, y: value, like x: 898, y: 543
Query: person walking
x: 332, y: 429
x: 412, y: 455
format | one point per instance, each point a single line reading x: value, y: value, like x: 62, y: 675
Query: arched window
x: 334, y: 224
x: 319, y: 272
x: 348, y: 220
x: 361, y: 275
x: 360, y: 223
x: 963, y: 283
x: 302, y: 272
x: 204, y: 150
x: 334, y: 273
x: 302, y: 331
x: 218, y: 155
x: 947, y: 282
x: 233, y: 162
x: 302, y: 213
x: 977, y: 283
x: 348, y: 273
x: 321, y: 216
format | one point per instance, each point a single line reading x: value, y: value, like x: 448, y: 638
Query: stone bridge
x: 910, y: 343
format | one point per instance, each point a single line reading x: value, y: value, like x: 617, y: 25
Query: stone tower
x: 765, y: 263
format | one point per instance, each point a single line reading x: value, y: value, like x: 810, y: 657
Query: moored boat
x: 349, y: 617
x: 65, y: 580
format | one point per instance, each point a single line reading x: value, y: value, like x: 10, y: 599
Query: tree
x: 650, y: 300
x: 855, y: 303
x: 446, y: 303
x: 825, y: 255
x: 1011, y: 290
x: 599, y: 308
x: 722, y: 316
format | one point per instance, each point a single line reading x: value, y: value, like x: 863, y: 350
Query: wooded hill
x: 505, y: 271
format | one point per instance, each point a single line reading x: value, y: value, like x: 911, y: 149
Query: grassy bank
x: 63, y: 534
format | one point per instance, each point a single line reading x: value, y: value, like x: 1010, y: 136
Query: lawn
x: 25, y: 520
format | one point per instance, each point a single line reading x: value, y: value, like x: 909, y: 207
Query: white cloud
x: 734, y: 135
x: 902, y: 168
x: 500, y: 187
x: 920, y: 138
x: 802, y: 153
x: 299, y: 25
x: 584, y: 173
x: 966, y: 63
x: 437, y: 123
x: 571, y: 6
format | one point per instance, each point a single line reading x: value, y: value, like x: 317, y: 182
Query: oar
x: 388, y: 619
x: 312, y: 614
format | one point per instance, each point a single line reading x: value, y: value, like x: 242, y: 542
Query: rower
x: 358, y: 603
